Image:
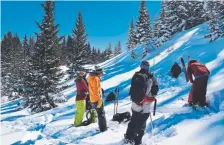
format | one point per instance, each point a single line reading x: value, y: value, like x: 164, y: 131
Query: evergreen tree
x: 70, y: 49
x: 145, y: 51
x: 156, y: 28
x: 99, y: 57
x: 215, y: 12
x: 93, y: 55
x: 164, y: 32
x: 88, y: 51
x: 64, y: 53
x: 42, y: 78
x: 143, y: 27
x: 133, y: 55
x: 31, y: 45
x: 79, y: 51
x: 26, y: 47
x: 109, y: 52
x: 6, y: 59
x: 118, y: 49
x: 131, y: 36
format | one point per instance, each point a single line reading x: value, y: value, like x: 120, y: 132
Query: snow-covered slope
x: 174, y: 122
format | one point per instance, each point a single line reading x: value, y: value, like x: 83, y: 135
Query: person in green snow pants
x: 82, y: 91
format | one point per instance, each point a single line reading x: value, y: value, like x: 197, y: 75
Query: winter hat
x: 82, y: 73
x: 99, y: 70
x: 145, y: 65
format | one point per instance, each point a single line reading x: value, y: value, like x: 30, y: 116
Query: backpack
x: 122, y: 117
x: 138, y: 87
x: 175, y: 70
x: 110, y: 97
x: 155, y: 86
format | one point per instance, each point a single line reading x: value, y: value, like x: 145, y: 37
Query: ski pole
x: 118, y: 91
x: 151, y: 122
x: 154, y: 110
x: 115, y: 101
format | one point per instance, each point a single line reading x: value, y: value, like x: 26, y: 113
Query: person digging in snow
x: 82, y: 92
x: 144, y: 88
x: 96, y: 99
x: 199, y: 84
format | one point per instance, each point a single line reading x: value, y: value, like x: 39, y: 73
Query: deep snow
x: 174, y: 122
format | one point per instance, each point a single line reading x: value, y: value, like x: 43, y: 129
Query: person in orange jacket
x: 96, y: 97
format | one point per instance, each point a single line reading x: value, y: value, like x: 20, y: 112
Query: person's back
x: 96, y: 97
x: 197, y: 69
x: 140, y: 110
x: 94, y: 87
x: 199, y: 87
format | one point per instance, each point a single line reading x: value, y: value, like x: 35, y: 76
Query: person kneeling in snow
x: 96, y: 97
x: 199, y: 84
x: 82, y: 91
x: 144, y: 88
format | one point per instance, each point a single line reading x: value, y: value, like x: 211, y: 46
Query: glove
x: 99, y: 103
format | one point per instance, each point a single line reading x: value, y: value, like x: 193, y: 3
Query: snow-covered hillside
x: 174, y: 122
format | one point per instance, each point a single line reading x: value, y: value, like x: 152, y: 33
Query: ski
x: 184, y: 67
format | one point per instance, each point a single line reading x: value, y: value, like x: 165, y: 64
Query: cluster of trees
x: 215, y: 13
x: 176, y: 16
x: 32, y: 66
x: 142, y: 33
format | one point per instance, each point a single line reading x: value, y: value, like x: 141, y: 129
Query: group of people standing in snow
x: 90, y: 97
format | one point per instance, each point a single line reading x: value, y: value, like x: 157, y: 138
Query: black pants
x: 136, y: 127
x: 199, y: 90
x: 101, y: 117
x: 88, y: 103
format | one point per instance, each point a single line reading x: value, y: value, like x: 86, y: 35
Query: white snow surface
x: 174, y: 122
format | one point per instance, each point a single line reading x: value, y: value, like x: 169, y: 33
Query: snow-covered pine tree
x: 215, y: 12
x: 109, y: 52
x: 145, y: 51
x: 184, y: 15
x: 131, y: 36
x: 156, y: 28
x: 119, y: 49
x: 93, y: 55
x: 64, y: 53
x: 89, y: 60
x: 144, y: 32
x: 99, y: 58
x: 115, y: 50
x: 79, y: 54
x: 6, y: 58
x: 164, y: 25
x: 25, y: 47
x: 42, y: 78
x: 11, y: 65
x: 70, y: 49
x: 31, y: 45
x: 133, y: 55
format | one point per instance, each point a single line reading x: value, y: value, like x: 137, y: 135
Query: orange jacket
x: 94, y: 88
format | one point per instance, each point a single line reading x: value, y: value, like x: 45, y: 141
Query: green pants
x: 80, y: 111
x: 93, y: 116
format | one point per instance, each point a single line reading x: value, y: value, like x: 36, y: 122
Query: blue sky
x: 105, y: 21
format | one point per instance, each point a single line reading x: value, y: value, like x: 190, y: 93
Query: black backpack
x: 111, y: 97
x: 155, y: 86
x: 138, y: 87
x: 175, y: 70
x: 122, y: 117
